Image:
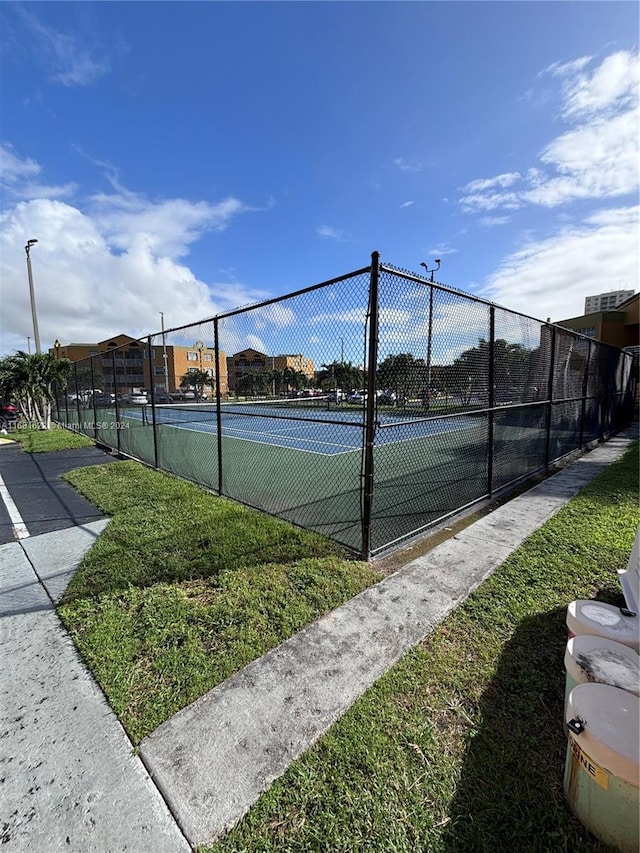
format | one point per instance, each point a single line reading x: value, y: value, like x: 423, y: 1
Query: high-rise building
x: 606, y: 301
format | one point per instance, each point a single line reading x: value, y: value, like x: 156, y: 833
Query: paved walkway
x: 69, y: 779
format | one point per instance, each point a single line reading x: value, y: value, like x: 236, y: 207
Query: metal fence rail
x: 455, y: 398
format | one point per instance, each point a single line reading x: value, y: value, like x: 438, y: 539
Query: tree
x: 252, y: 383
x: 468, y: 376
x: 340, y: 374
x: 294, y: 380
x: 405, y: 375
x: 31, y: 382
x: 197, y: 381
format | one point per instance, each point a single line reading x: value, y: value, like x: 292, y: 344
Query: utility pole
x: 34, y: 313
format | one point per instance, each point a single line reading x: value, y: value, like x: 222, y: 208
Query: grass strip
x: 460, y: 746
x: 184, y: 588
x: 36, y: 440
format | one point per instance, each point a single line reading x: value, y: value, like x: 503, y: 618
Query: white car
x: 138, y: 399
x: 358, y: 397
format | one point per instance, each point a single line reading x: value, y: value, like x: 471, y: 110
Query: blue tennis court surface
x: 322, y: 432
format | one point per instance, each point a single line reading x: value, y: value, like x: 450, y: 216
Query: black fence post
x: 75, y: 373
x: 552, y: 364
x: 56, y: 387
x: 115, y: 391
x: 585, y: 390
x: 216, y: 355
x: 66, y: 405
x: 152, y: 388
x: 427, y: 396
x: 93, y: 398
x: 370, y: 412
x: 491, y: 400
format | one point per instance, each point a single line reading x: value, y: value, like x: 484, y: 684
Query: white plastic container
x: 597, y: 660
x: 602, y: 765
x: 630, y: 577
x: 603, y: 620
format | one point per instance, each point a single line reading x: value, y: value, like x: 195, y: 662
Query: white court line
x: 19, y: 527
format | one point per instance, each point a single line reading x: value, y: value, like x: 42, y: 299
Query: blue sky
x: 192, y: 157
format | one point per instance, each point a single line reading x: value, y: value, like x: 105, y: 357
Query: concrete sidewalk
x: 214, y: 759
x: 69, y: 780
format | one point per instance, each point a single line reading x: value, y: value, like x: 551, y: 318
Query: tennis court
x: 309, y: 429
x: 484, y: 397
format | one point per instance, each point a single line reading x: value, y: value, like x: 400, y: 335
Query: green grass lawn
x: 185, y: 588
x: 35, y: 440
x: 460, y: 746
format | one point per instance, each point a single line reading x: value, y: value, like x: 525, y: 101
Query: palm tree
x: 197, y: 381
x: 31, y: 382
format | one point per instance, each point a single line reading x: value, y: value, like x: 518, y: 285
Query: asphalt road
x: 44, y: 501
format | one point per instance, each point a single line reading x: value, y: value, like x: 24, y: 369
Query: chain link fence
x: 366, y: 408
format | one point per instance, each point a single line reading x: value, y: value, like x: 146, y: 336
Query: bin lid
x: 611, y: 735
x: 598, y: 659
x: 603, y: 620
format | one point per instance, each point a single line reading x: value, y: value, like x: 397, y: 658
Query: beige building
x: 251, y: 361
x: 137, y: 367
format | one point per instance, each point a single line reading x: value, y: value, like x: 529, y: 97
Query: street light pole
x: 164, y: 353
x: 427, y: 394
x: 34, y: 313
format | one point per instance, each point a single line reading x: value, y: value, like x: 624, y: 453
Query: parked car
x: 179, y: 395
x: 337, y: 395
x: 387, y: 398
x: 9, y: 415
x: 162, y: 397
x: 102, y: 400
x: 136, y: 398
x: 358, y: 397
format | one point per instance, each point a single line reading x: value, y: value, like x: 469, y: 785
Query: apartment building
x: 122, y: 364
x: 606, y: 301
x: 251, y: 361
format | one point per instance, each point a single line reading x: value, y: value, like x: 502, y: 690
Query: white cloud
x: 559, y: 69
x: 596, y: 158
x: 329, y: 233
x: 109, y: 265
x: 504, y: 180
x: 442, y: 250
x: 492, y: 221
x: 358, y: 316
x: 408, y: 165
x: 551, y: 277
x: 613, y: 84
x: 406, y: 204
x: 66, y: 59
x: 14, y: 171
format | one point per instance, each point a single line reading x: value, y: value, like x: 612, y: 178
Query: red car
x: 9, y: 415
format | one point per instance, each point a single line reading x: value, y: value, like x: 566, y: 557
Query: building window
x: 207, y: 357
x: 192, y: 370
x: 589, y: 332
x: 158, y: 371
x: 192, y: 356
